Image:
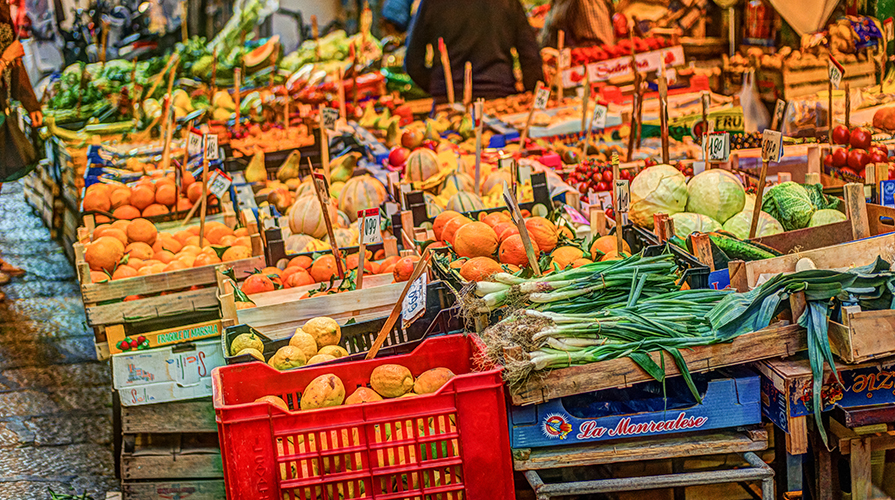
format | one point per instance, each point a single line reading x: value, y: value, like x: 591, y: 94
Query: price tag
x: 368, y: 222
x: 330, y: 117
x: 524, y: 174
x: 889, y: 25
x: 779, y: 111
x: 219, y: 183
x: 706, y: 100
x: 320, y: 183
x: 887, y: 193
x: 622, y: 194
x: 836, y: 72
x: 565, y: 59
x: 505, y: 163
x: 414, y: 304
x: 599, y: 118
x: 542, y: 97
x: 771, y: 145
x: 194, y: 144
x: 211, y: 147
x: 717, y: 146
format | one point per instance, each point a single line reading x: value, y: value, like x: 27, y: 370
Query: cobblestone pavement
x: 55, y: 398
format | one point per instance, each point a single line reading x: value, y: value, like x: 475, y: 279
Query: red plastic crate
x: 453, y: 444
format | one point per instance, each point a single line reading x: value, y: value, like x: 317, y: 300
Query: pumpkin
x: 305, y: 217
x: 361, y: 193
x: 421, y: 165
x: 465, y: 202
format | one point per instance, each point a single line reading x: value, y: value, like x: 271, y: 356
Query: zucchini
x: 739, y: 249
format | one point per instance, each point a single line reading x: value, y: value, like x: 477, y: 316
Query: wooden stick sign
x: 771, y: 151
x: 717, y: 147
x: 327, y: 120
x: 663, y: 113
x: 477, y: 111
x: 597, y: 120
x: 622, y: 195
x: 369, y: 234
x: 541, y: 97
x: 836, y: 72
x: 323, y: 198
x: 211, y: 153
x: 446, y: 65
x: 516, y: 215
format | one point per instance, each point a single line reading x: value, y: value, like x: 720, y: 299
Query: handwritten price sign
x: 414, y: 304
x: 211, y: 147
x: 541, y: 98
x: 320, y: 184
x: 368, y: 222
x: 836, y: 72
x: 330, y: 117
x: 717, y: 146
x: 771, y: 145
x: 194, y: 144
x: 599, y: 118
x: 219, y: 183
x: 623, y: 195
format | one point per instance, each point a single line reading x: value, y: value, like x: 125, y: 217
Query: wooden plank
x: 809, y: 238
x: 859, y: 466
x: 869, y: 335
x: 876, y: 214
x: 165, y: 463
x: 153, y: 307
x: 178, y: 417
x: 639, y: 449
x: 797, y: 437
x: 194, y: 489
x: 856, y: 209
x: 174, y: 280
x: 770, y: 342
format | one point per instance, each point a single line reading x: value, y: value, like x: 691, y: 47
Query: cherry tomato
x: 607, y: 176
x: 582, y: 188
x: 602, y: 186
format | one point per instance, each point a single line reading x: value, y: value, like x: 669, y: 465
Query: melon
x: 457, y: 182
x: 465, y: 202
x: 344, y: 237
x: 432, y: 206
x: 300, y: 243
x: 305, y: 217
x: 262, y: 54
x: 305, y: 188
x: 496, y: 178
x: 421, y: 165
x: 361, y: 193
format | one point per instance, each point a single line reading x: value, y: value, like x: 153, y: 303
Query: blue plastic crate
x: 730, y: 398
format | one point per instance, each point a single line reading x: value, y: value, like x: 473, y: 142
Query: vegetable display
x: 657, y: 189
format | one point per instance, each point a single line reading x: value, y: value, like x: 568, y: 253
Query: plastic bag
x: 755, y: 116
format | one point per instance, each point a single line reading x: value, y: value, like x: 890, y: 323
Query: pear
x: 222, y: 99
x: 393, y: 132
x: 383, y: 121
x: 182, y: 100
x: 342, y: 168
x: 221, y: 114
x: 289, y: 168
x: 370, y: 119
x: 431, y: 134
x: 465, y: 130
x: 256, y: 172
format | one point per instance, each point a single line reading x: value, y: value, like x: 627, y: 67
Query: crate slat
x: 153, y: 307
x: 194, y: 489
x: 186, y: 416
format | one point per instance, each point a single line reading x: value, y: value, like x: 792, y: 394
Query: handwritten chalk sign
x: 330, y: 117
x: 414, y: 304
x: 368, y: 220
x: 771, y: 145
x: 320, y: 183
x: 541, y: 98
x: 835, y: 71
x: 717, y: 146
x: 211, y: 147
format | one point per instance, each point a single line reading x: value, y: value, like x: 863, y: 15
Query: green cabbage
x: 657, y: 189
x: 717, y: 194
x: 686, y: 223
x: 826, y: 216
x: 739, y: 225
x: 819, y: 199
x: 789, y: 204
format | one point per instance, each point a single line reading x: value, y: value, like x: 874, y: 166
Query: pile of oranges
x: 151, y: 196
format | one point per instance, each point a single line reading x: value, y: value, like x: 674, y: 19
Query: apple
x: 412, y: 138
x: 840, y: 157
x: 841, y: 135
x: 860, y: 138
x: 398, y: 157
x: 878, y: 157
x: 607, y: 176
x: 828, y: 160
x: 858, y: 159
x: 883, y: 148
x: 602, y: 186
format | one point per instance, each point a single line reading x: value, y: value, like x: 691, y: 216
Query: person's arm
x: 527, y: 47
x: 22, y: 90
x: 418, y: 36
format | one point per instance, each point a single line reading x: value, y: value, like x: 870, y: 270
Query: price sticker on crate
x: 414, y: 304
x: 330, y: 117
x: 211, y: 147
x: 320, y: 184
x: 194, y: 144
x: 836, y: 72
x: 541, y: 98
x: 368, y: 222
x: 219, y: 183
x: 718, y: 146
x: 598, y: 120
x: 771, y: 145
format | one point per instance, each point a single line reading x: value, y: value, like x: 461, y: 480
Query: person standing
x: 585, y: 22
x: 483, y: 32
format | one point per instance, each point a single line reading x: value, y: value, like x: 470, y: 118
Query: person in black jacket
x: 483, y: 32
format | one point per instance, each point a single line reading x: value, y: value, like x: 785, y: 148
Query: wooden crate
x: 194, y: 489
x: 774, y: 341
x: 807, y: 81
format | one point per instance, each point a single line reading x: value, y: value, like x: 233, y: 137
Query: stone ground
x: 55, y: 398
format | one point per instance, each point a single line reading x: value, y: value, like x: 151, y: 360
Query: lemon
x: 324, y: 330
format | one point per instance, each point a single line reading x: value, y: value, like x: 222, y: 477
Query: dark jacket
x: 482, y: 32
x: 21, y: 91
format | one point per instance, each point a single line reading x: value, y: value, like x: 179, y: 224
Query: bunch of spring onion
x: 589, y: 287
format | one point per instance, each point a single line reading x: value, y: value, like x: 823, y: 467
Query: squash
x: 361, y: 193
x: 305, y: 217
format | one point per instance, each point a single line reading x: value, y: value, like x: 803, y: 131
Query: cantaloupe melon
x: 421, y: 165
x: 464, y: 202
x: 361, y: 193
x: 305, y: 217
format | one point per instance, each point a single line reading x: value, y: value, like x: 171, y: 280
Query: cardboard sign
x: 599, y: 118
x: 565, y: 59
x: 219, y: 183
x: 330, y: 117
x: 368, y: 226
x: 836, y: 72
x: 771, y: 145
x: 542, y: 97
x: 889, y: 26
x: 211, y: 147
x: 622, y: 194
x: 414, y: 304
x: 717, y: 146
x: 194, y: 144
x: 320, y: 183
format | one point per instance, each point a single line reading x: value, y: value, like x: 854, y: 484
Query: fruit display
x: 151, y: 196
x: 855, y: 152
x: 317, y: 341
x: 624, y: 47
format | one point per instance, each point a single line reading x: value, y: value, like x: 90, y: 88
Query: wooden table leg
x: 823, y: 469
x: 859, y: 466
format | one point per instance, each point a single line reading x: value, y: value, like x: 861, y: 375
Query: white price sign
x: 599, y: 118
x: 320, y: 183
x: 211, y: 147
x: 541, y: 98
x: 565, y: 59
x: 368, y: 226
x: 836, y: 72
x: 194, y: 144
x: 779, y: 111
x: 219, y: 183
x: 623, y: 195
x: 414, y: 304
x: 890, y: 28
x: 771, y: 145
x: 330, y: 117
x: 717, y: 146
x: 524, y: 174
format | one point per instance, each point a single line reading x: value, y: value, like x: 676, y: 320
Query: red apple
x: 860, y: 138
x: 840, y: 157
x: 398, y: 157
x: 858, y: 159
x: 878, y: 157
x: 841, y: 135
x: 607, y: 176
x: 883, y: 148
x: 602, y: 186
x: 828, y: 160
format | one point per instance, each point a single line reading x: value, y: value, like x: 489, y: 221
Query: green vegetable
x: 826, y: 216
x: 738, y: 249
x: 717, y: 194
x: 657, y: 189
x: 686, y: 223
x: 740, y: 224
x: 789, y: 204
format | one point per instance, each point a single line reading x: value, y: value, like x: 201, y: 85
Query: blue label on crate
x: 887, y: 193
x: 773, y: 404
x: 719, y: 280
x: 864, y: 386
